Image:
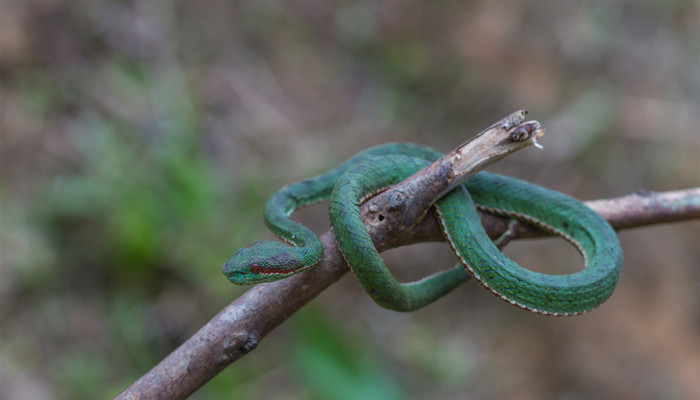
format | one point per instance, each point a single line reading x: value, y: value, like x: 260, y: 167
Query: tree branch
x: 238, y: 328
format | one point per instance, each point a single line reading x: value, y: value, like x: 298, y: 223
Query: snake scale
x: 348, y: 184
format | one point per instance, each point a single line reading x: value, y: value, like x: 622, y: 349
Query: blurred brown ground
x: 139, y: 140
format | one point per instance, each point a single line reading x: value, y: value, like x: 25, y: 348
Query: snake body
x: 382, y: 166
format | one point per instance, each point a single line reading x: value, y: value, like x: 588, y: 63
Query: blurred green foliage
x: 333, y: 365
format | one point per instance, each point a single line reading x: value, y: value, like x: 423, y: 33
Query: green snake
x: 368, y: 172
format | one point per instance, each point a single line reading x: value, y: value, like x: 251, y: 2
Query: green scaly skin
x: 557, y: 213
x: 386, y: 165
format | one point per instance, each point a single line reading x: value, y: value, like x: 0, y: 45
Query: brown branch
x: 238, y: 328
x: 647, y: 208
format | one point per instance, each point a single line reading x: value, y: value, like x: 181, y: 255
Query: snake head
x: 264, y: 261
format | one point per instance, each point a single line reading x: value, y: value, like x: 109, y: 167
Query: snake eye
x: 256, y: 268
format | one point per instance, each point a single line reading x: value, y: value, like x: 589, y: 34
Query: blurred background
x: 139, y: 141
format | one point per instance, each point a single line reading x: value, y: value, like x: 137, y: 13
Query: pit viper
x: 369, y: 171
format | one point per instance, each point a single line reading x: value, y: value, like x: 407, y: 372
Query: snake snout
x: 236, y: 275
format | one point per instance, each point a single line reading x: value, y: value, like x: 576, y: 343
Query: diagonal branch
x: 237, y: 329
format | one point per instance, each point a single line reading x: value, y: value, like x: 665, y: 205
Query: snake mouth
x: 237, y: 277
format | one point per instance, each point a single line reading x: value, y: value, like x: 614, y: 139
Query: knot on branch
x: 238, y: 345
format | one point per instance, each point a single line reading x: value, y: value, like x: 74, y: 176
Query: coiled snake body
x: 382, y: 166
